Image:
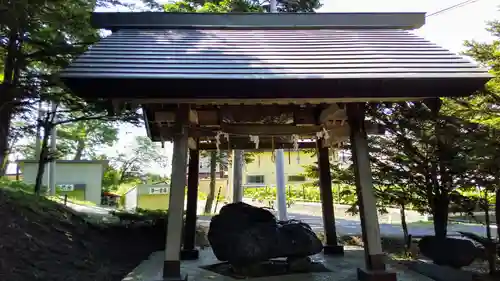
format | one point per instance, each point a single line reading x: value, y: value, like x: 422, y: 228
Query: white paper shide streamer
x: 255, y: 140
x: 217, y: 139
x: 323, y: 134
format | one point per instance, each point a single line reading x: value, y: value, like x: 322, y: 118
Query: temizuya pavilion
x: 200, y: 76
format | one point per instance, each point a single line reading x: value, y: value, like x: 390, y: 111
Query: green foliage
x: 129, y: 165
x: 40, y: 38
x: 202, y: 196
x: 78, y: 140
x: 81, y: 139
x: 267, y: 195
x: 302, y: 193
x: 16, y: 185
x: 481, y: 108
x: 224, y: 6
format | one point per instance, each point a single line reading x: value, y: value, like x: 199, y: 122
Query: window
x: 296, y: 178
x: 255, y: 179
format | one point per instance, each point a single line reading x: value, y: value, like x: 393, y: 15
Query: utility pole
x: 273, y: 7
x: 280, y: 184
x: 280, y: 163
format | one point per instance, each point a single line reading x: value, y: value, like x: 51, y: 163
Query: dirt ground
x: 41, y: 240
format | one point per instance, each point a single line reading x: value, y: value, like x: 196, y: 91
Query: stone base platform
x: 343, y: 268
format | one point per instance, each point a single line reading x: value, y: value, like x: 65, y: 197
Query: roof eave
x: 155, y: 20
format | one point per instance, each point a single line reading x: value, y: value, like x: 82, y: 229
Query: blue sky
x: 448, y: 29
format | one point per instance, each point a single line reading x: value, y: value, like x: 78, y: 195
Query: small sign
x: 158, y: 190
x: 66, y: 187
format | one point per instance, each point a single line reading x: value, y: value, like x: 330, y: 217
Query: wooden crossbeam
x: 247, y: 145
x: 335, y: 131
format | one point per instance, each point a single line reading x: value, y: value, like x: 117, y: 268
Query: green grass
x: 60, y: 199
x: 26, y: 198
x: 29, y: 189
x: 17, y: 185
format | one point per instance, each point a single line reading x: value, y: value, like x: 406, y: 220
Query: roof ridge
x: 152, y: 20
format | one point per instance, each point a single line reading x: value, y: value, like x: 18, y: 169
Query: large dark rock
x: 451, y: 252
x: 296, y: 240
x: 242, y: 234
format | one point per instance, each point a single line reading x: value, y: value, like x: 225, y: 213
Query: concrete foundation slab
x: 343, y: 268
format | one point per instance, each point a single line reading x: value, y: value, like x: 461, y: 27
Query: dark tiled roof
x: 182, y: 57
x: 269, y: 54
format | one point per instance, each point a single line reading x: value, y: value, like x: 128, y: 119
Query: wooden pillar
x: 374, y: 257
x: 189, y: 252
x: 172, y: 265
x: 331, y: 246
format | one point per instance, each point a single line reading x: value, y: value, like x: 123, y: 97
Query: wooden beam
x: 208, y: 117
x: 164, y: 117
x: 270, y: 130
x: 170, y: 117
x: 305, y: 116
x: 249, y: 114
x: 247, y: 130
x: 335, y: 131
x: 247, y: 145
x: 284, y: 101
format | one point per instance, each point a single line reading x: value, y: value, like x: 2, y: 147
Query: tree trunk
x: 440, y: 215
x: 487, y: 220
x: 491, y: 248
x: 5, y: 118
x: 404, y: 225
x: 7, y: 94
x: 211, y: 192
x: 79, y: 149
x: 497, y: 212
x: 44, y: 151
x: 18, y: 172
x: 38, y: 132
x: 439, y: 201
x: 442, y: 197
